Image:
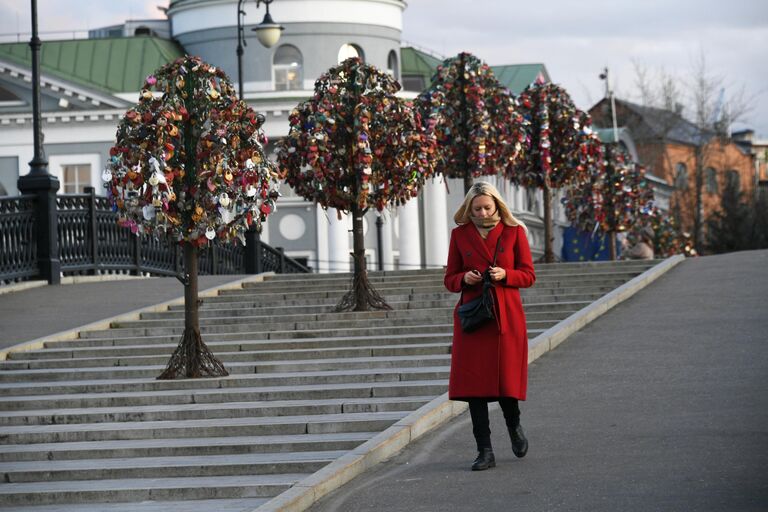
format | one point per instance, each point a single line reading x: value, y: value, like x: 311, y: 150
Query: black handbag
x: 477, y: 312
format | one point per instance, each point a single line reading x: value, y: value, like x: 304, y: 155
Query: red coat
x: 492, y: 361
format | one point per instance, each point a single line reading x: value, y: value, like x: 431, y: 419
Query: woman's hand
x: 472, y: 277
x: 497, y: 273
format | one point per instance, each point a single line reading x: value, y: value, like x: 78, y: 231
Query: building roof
x: 112, y: 65
x: 515, y: 77
x: 658, y: 123
x: 417, y: 62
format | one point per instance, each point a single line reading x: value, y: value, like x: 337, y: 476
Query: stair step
x: 168, y: 467
x: 144, y: 489
x: 220, y: 505
x: 235, y: 381
x: 245, y: 361
x: 201, y: 395
x: 182, y: 412
x: 51, y: 370
x: 183, y: 446
x: 250, y: 426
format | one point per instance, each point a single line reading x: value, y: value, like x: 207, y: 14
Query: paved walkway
x: 36, y: 312
x: 661, y: 404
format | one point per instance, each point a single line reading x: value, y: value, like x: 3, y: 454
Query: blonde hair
x: 482, y: 188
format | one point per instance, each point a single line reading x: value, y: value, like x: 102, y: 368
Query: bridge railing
x: 91, y: 242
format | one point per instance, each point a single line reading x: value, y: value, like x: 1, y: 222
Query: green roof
x: 416, y: 62
x: 117, y: 64
x: 515, y: 77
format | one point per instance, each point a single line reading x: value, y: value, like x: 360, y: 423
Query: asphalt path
x: 659, y: 405
x: 36, y: 312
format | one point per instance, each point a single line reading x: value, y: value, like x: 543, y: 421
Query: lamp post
x: 609, y: 94
x: 267, y: 32
x: 39, y: 181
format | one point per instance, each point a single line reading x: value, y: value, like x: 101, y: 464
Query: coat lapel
x: 490, y: 242
x: 480, y: 244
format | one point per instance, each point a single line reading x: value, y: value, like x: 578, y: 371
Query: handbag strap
x: 496, y: 252
x: 486, y: 276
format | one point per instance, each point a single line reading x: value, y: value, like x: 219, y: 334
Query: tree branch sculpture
x: 563, y: 147
x: 478, y: 129
x: 189, y: 166
x: 354, y: 145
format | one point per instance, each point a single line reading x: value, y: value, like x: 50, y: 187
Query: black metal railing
x: 18, y: 247
x: 91, y: 242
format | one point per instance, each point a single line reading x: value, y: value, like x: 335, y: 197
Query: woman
x: 643, y: 249
x: 491, y: 363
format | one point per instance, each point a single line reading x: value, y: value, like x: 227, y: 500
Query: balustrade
x: 91, y: 242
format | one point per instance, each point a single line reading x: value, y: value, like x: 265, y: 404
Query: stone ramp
x: 83, y: 422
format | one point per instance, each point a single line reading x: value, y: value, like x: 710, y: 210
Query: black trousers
x: 481, y: 426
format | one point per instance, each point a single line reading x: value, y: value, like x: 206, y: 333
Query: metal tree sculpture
x: 613, y: 196
x: 563, y: 146
x: 478, y: 129
x: 353, y: 146
x: 189, y: 166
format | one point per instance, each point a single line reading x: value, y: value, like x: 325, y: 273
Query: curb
x: 391, y: 441
x: 74, y: 333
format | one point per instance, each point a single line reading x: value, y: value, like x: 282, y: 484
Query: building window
x: 733, y: 180
x: 681, y: 176
x: 288, y: 67
x: 349, y: 50
x: 710, y: 176
x: 76, y: 178
x: 392, y: 67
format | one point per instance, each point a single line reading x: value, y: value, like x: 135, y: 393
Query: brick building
x: 674, y: 149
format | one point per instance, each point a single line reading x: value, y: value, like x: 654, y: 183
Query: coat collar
x: 487, y: 246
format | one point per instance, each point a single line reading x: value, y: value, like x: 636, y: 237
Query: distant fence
x: 91, y: 242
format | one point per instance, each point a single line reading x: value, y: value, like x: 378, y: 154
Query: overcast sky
x: 575, y: 39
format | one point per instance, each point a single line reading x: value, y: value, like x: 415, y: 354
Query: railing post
x: 282, y: 259
x: 214, y: 259
x: 253, y: 264
x: 136, y: 255
x: 93, y: 230
x: 177, y: 266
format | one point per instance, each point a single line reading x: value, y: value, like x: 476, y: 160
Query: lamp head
x: 268, y: 32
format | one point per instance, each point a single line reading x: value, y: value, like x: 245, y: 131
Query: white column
x: 321, y: 251
x: 409, y: 241
x: 521, y: 198
x: 436, y: 223
x: 387, y: 253
x: 338, y: 242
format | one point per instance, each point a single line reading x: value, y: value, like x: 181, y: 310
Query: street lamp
x: 267, y: 32
x: 39, y: 182
x: 609, y: 94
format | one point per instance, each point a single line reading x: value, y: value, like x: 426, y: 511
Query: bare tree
x: 703, y: 113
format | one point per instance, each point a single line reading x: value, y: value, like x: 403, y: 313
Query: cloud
x: 575, y: 40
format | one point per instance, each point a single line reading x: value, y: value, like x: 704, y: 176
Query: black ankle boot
x: 484, y: 460
x: 519, y: 442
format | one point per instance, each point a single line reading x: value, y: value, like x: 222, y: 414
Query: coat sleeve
x: 523, y: 275
x: 454, y: 270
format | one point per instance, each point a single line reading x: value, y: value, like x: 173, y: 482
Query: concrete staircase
x: 84, y: 425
